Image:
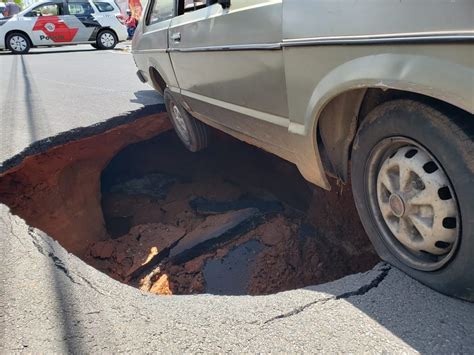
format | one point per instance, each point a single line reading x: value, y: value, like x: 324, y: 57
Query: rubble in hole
x: 185, y: 224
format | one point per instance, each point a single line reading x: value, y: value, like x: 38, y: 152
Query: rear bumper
x: 122, y: 33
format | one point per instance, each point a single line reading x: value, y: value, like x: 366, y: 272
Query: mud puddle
x: 229, y: 220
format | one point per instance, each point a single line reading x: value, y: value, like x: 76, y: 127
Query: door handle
x: 60, y: 21
x: 176, y: 36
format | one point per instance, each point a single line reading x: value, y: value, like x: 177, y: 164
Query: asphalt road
x: 53, y: 90
x: 50, y: 301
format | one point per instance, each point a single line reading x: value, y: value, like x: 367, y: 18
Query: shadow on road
x: 24, y: 115
x: 32, y: 113
x: 50, y: 51
x: 426, y: 320
x: 147, y: 97
x: 71, y: 327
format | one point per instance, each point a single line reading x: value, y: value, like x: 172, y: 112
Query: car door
x: 229, y: 64
x: 81, y: 15
x: 49, y: 24
x: 152, y: 49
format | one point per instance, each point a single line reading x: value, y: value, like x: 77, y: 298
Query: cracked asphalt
x: 51, y: 301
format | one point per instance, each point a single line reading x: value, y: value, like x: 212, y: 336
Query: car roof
x: 58, y: 2
x: 51, y: 2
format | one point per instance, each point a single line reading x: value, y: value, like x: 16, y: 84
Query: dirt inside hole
x: 229, y: 220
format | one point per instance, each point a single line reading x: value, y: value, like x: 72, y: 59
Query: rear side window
x: 83, y: 8
x: 104, y: 6
x: 160, y: 10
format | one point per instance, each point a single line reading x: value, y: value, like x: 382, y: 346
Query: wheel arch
x: 157, y: 80
x: 346, y: 95
x: 17, y: 31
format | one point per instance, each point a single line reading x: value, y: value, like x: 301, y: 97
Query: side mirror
x: 224, y: 3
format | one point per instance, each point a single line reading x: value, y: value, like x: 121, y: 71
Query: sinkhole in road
x: 231, y: 220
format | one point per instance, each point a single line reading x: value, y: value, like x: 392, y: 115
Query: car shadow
x: 147, y: 97
x: 45, y: 51
x: 422, y: 318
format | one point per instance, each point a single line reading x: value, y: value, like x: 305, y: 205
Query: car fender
x: 14, y: 24
x: 412, y: 73
x: 111, y: 22
x: 452, y: 83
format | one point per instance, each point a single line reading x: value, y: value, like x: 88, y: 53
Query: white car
x: 57, y: 23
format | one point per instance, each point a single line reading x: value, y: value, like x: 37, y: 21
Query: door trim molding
x: 234, y: 47
x: 267, y: 117
x: 403, y: 38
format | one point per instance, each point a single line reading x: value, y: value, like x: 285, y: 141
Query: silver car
x: 376, y: 93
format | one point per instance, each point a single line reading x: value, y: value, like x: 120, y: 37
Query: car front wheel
x: 193, y: 133
x: 412, y: 176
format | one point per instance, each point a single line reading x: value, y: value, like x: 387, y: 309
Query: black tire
x: 106, y: 39
x: 94, y: 45
x: 193, y: 133
x: 22, y: 37
x: 448, y: 140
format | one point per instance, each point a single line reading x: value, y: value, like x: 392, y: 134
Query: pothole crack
x: 366, y: 288
x: 88, y: 283
x: 59, y: 264
x: 37, y: 244
x: 10, y: 226
x: 359, y: 292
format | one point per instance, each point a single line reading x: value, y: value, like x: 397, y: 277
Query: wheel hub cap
x: 107, y: 40
x: 18, y: 43
x: 180, y: 125
x: 397, y: 205
x: 417, y: 203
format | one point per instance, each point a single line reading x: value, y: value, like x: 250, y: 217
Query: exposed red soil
x: 59, y: 191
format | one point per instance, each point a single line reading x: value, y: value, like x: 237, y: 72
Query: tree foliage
x: 19, y: 3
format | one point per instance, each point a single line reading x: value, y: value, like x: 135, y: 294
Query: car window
x: 82, y: 8
x: 103, y: 6
x: 160, y: 10
x: 191, y: 5
x: 46, y: 10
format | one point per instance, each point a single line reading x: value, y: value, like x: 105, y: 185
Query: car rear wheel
x: 412, y: 175
x: 18, y: 43
x: 193, y: 133
x: 106, y: 39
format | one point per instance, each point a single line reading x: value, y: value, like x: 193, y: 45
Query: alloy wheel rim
x: 414, y: 204
x: 18, y: 43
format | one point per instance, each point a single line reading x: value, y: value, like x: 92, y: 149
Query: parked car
x: 376, y: 94
x: 58, y: 23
